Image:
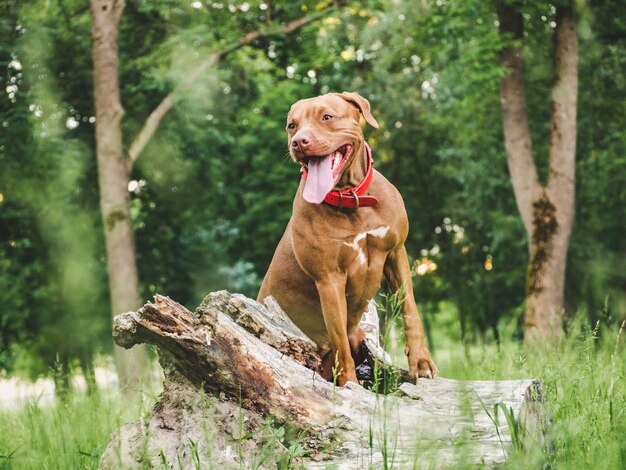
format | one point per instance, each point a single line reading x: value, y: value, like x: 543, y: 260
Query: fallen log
x: 240, y: 390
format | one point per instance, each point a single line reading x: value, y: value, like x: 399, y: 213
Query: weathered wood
x: 235, y: 362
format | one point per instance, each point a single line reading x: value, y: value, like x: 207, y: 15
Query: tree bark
x: 546, y: 211
x: 517, y: 141
x: 113, y: 179
x: 255, y: 365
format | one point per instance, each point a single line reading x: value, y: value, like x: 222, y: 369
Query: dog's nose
x: 301, y: 141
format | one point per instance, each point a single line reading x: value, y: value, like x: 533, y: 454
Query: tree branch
x: 156, y: 116
x: 517, y: 140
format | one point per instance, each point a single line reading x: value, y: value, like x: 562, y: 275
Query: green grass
x: 584, y: 383
x: 71, y: 435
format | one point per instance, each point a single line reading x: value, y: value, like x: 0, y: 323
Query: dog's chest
x: 326, y: 246
x: 366, y: 248
x: 362, y: 258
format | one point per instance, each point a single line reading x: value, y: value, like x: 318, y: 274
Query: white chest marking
x: 379, y: 232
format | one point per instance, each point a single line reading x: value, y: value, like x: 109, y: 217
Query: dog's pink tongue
x: 320, y: 179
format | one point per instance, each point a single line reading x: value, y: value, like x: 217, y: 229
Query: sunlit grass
x: 64, y: 435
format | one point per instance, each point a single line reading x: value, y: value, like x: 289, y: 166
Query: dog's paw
x: 342, y: 379
x: 421, y: 364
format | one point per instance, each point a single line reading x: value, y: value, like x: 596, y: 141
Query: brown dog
x: 348, y: 227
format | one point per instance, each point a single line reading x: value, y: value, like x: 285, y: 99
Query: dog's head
x: 325, y: 135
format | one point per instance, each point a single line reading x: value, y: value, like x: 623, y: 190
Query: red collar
x: 353, y: 197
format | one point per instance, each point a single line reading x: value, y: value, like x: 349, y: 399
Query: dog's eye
x: 326, y: 117
x: 291, y: 125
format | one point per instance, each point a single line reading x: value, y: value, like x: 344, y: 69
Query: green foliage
x: 597, y: 264
x: 51, y: 244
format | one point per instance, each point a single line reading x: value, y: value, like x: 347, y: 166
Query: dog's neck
x: 355, y: 172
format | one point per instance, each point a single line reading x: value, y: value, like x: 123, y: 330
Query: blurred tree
x: 19, y: 260
x: 113, y: 177
x: 547, y: 211
x: 52, y: 300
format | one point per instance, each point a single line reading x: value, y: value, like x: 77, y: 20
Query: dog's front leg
x: 332, y: 292
x: 398, y: 275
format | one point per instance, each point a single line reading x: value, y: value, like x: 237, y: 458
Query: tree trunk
x: 255, y: 366
x: 547, y: 212
x: 425, y: 314
x: 113, y: 180
x: 62, y: 379
x: 86, y: 366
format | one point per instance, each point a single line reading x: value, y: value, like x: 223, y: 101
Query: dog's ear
x: 362, y: 104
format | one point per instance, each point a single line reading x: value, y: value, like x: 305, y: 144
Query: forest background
x: 211, y: 192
